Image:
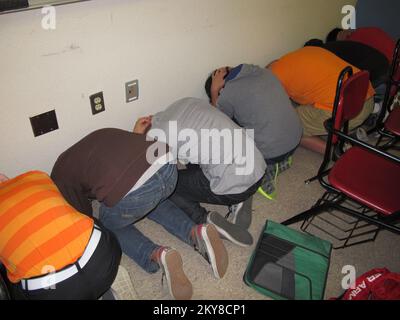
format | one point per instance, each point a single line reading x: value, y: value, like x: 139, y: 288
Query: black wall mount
x: 44, y: 123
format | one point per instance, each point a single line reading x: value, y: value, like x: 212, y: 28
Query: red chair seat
x: 392, y: 123
x: 368, y: 178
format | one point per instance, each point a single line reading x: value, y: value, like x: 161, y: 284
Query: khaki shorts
x: 313, y: 119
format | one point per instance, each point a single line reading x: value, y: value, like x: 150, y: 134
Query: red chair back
x: 350, y: 97
x: 392, y: 87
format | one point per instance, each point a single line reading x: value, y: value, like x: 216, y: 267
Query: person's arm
x: 218, y: 82
x: 315, y: 144
x: 214, y: 98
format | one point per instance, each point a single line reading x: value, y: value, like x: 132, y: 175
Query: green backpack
x: 288, y: 264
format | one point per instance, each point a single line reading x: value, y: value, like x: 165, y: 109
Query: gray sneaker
x: 230, y: 231
x: 208, y: 243
x: 240, y: 214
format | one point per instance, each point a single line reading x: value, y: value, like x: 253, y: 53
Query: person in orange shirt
x: 309, y: 76
x: 49, y: 250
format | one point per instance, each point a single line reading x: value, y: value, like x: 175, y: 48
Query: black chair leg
x: 322, y: 174
x: 379, y: 140
x: 307, y: 214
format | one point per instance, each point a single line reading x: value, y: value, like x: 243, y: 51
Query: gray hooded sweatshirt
x: 256, y: 99
x: 231, y: 168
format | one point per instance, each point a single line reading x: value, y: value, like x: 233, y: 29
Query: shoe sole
x: 216, y: 251
x: 179, y: 285
x: 222, y: 231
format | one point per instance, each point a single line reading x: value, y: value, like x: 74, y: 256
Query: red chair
x: 390, y: 128
x: 364, y: 182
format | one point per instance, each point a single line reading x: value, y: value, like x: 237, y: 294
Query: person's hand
x: 3, y: 178
x: 143, y: 125
x: 218, y: 80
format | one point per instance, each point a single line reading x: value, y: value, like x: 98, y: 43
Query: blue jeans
x: 150, y: 201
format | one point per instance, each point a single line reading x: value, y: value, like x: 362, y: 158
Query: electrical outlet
x: 132, y: 90
x: 97, y: 103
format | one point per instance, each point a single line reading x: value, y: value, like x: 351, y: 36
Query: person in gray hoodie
x: 223, y: 165
x: 255, y: 99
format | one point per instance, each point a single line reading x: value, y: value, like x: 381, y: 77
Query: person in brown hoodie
x: 132, y: 178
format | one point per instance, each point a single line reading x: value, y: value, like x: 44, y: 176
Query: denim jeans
x: 150, y: 201
x: 193, y: 188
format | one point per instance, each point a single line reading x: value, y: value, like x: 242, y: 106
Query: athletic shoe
x: 230, y: 231
x: 171, y: 265
x: 240, y: 214
x: 208, y: 243
x: 285, y: 164
x: 268, y: 186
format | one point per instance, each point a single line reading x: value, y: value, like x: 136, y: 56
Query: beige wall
x: 169, y: 45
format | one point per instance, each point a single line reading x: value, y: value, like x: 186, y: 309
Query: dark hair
x: 207, y: 86
x: 314, y: 43
x: 332, y: 36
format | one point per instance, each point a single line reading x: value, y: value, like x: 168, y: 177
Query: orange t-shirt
x: 310, y: 75
x: 39, y: 231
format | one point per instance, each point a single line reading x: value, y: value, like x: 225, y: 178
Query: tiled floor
x: 293, y: 197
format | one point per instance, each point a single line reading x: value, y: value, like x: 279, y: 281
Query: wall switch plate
x: 44, y: 123
x: 132, y: 90
x: 97, y: 103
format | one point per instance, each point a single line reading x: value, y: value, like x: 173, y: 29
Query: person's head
x: 207, y: 85
x: 314, y: 43
x: 338, y: 34
x: 333, y: 35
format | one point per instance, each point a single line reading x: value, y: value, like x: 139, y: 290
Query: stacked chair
x: 390, y: 128
x: 362, y: 182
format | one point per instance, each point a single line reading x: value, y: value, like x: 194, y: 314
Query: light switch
x: 132, y: 90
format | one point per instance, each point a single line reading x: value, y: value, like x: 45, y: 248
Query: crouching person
x: 133, y: 179
x: 50, y: 250
x: 224, y: 167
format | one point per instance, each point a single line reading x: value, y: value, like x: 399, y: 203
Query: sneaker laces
x: 233, y: 208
